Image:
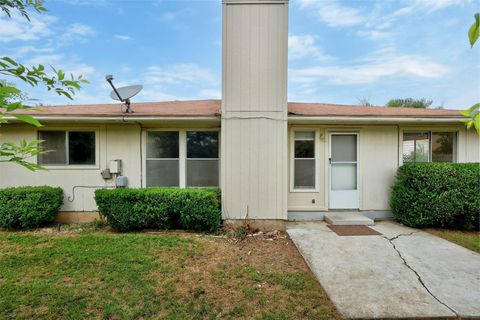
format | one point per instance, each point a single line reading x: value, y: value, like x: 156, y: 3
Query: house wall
x: 113, y: 142
x: 380, y: 154
x: 472, y: 146
x: 254, y: 109
x: 378, y: 160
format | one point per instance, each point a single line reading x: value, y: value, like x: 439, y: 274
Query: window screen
x: 443, y: 146
x: 54, y: 143
x: 162, y: 163
x: 304, y: 160
x: 67, y: 147
x: 202, y: 159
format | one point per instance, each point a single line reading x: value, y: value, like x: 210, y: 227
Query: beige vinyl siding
x: 378, y: 165
x: 254, y: 169
x: 113, y: 142
x: 255, y: 44
x: 254, y: 110
x: 472, y: 148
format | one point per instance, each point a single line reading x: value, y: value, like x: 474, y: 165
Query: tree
x: 473, y: 113
x: 409, y: 103
x: 474, y: 30
x: 364, y: 101
x: 12, y: 99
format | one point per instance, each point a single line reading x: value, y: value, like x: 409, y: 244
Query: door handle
x: 330, y: 160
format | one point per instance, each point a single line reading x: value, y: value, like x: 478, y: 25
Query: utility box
x: 116, y: 166
x: 121, y: 182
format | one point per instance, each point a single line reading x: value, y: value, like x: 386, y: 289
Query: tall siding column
x: 254, y: 109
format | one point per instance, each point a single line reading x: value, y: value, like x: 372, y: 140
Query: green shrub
x: 29, y: 207
x: 160, y: 208
x: 437, y: 195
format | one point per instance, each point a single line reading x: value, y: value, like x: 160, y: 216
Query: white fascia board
x: 115, y: 119
x: 301, y: 119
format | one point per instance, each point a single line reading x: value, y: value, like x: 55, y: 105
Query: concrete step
x: 348, y: 219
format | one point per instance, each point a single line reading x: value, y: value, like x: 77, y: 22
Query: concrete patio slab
x: 404, y: 273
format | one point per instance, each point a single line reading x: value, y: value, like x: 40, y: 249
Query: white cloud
x: 45, y: 59
x: 333, y: 13
x: 375, y: 34
x: 301, y: 46
x: 179, y: 73
x: 122, y: 37
x: 210, y: 94
x: 417, y: 6
x: 153, y: 94
x: 18, y: 28
x: 434, y: 5
x: 22, y: 51
x: 373, y: 68
x: 172, y: 15
x: 76, y: 32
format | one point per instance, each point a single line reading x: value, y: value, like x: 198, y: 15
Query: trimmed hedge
x: 160, y: 208
x: 443, y: 195
x: 29, y: 207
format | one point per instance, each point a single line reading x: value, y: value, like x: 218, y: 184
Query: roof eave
x: 375, y: 119
x: 85, y: 118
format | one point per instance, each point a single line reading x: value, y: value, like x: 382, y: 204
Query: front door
x: 343, y: 159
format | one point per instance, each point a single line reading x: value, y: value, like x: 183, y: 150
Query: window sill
x: 304, y: 190
x: 71, y: 167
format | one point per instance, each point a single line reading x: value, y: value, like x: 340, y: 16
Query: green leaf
x: 9, y: 90
x: 9, y: 60
x: 474, y: 30
x: 28, y: 119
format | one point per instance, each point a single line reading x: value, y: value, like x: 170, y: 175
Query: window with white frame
x: 67, y: 147
x: 429, y: 146
x: 304, y: 164
x: 163, y: 159
x: 202, y: 159
x: 182, y: 158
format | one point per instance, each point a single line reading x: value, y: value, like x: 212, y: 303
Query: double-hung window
x: 202, y: 159
x: 304, y: 163
x: 67, y: 148
x: 429, y: 146
x: 182, y: 158
x: 163, y: 159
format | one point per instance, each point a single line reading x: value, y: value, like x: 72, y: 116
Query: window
x: 429, y: 146
x: 182, y: 159
x: 304, y: 160
x: 202, y: 159
x: 162, y: 159
x: 67, y: 147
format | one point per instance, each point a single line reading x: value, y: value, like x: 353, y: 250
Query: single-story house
x: 273, y: 160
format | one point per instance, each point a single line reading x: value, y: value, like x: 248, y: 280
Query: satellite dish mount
x: 123, y: 94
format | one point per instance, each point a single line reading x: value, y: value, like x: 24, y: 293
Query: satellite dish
x: 123, y: 94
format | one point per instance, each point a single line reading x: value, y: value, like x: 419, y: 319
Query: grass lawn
x: 100, y: 274
x: 467, y: 239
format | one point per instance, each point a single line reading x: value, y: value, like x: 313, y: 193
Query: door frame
x: 329, y: 165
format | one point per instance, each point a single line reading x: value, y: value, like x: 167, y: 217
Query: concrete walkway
x: 404, y: 273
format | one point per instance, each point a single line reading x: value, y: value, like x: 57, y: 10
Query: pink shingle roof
x: 212, y: 108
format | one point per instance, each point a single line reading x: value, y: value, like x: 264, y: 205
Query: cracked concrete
x: 406, y: 273
x: 413, y: 270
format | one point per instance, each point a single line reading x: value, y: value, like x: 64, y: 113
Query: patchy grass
x: 104, y: 275
x: 467, y: 239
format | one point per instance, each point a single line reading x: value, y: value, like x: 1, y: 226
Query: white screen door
x: 343, y: 160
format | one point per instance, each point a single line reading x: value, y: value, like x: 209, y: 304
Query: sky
x: 339, y: 51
